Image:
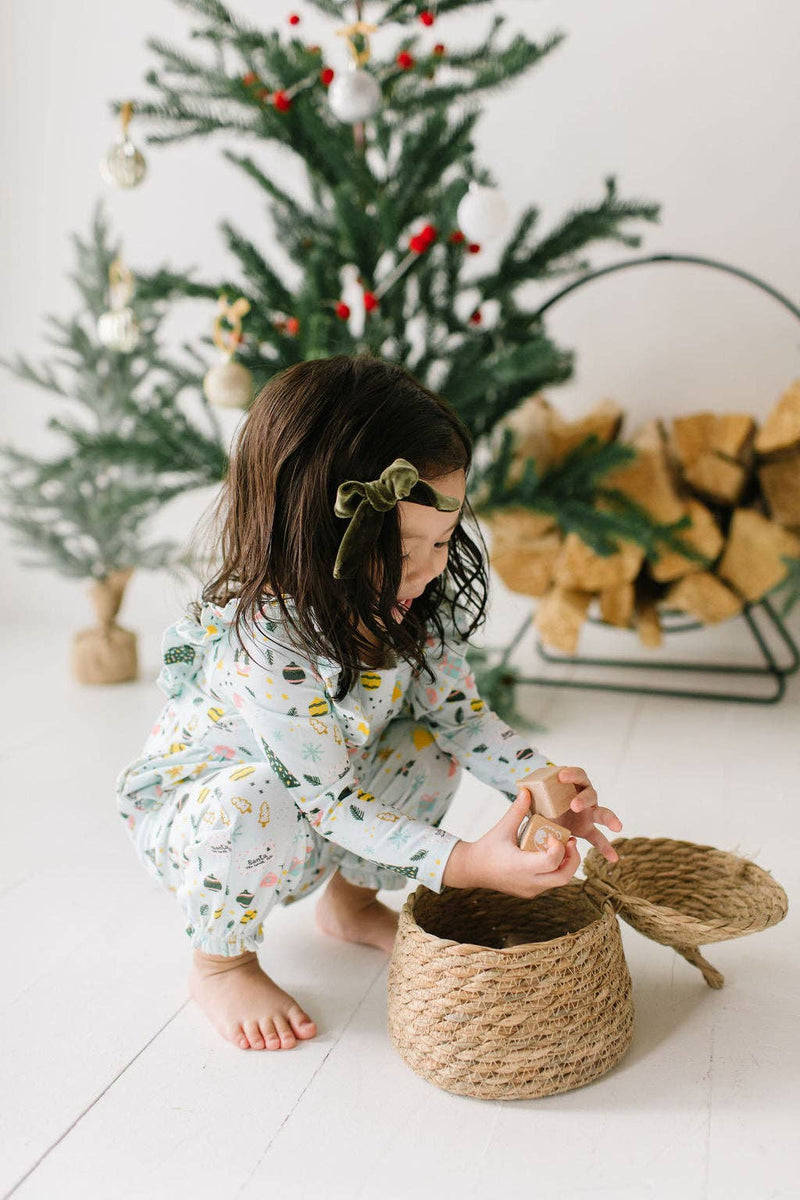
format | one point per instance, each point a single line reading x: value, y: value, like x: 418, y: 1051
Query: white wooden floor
x: 115, y: 1085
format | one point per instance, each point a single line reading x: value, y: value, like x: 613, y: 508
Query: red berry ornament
x: 420, y: 242
x: 292, y: 326
x: 326, y: 76
x: 456, y: 237
x: 476, y: 318
x: 426, y: 17
x: 282, y: 102
x: 474, y: 247
x: 405, y: 60
x: 342, y: 310
x: 370, y: 301
x: 294, y: 19
x: 438, y: 49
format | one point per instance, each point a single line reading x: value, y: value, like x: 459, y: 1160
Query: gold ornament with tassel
x: 118, y: 329
x: 229, y: 384
x: 106, y: 653
x: 124, y: 166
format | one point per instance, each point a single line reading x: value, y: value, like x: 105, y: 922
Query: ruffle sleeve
x: 184, y: 645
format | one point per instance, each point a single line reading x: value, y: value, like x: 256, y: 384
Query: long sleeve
x: 463, y: 725
x: 292, y: 718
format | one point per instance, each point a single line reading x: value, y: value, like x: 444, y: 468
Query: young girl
x: 319, y: 704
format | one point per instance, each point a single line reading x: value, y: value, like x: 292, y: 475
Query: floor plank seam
x: 302, y: 1093
x: 91, y: 1105
x: 709, y: 1115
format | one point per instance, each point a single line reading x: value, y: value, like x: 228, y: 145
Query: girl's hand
x: 584, y: 813
x: 496, y: 861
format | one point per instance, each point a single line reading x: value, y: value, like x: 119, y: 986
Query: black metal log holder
x: 772, y: 668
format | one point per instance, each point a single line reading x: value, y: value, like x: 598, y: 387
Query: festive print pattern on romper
x: 270, y: 709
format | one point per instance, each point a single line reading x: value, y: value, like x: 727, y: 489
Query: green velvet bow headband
x: 365, y: 504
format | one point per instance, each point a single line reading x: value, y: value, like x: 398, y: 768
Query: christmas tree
x: 130, y: 448
x: 397, y: 201
x: 388, y: 155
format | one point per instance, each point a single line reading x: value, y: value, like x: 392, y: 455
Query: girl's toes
x: 301, y: 1023
x: 268, y: 1033
x: 271, y: 1037
x: 253, y: 1034
x: 285, y: 1032
x: 237, y: 1036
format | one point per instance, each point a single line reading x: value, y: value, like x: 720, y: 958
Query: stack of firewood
x: 738, y: 484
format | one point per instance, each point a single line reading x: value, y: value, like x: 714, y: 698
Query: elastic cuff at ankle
x: 226, y: 949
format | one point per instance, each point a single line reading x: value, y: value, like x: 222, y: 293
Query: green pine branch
x: 572, y: 492
x: 788, y: 590
x: 497, y: 685
x: 555, y: 254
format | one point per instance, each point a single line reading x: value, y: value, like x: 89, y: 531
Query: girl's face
x: 425, y: 533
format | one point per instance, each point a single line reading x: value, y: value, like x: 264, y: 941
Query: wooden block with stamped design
x: 535, y: 834
x: 549, y: 797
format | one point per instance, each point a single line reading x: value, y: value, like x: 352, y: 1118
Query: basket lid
x: 685, y: 895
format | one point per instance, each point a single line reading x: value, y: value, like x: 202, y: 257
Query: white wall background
x: 692, y: 104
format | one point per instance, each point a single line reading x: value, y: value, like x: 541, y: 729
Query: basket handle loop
x: 713, y: 977
x: 600, y: 893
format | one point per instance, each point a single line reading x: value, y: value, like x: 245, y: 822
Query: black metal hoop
x: 772, y: 669
x: 671, y: 258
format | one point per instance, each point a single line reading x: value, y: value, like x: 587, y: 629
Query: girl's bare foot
x: 245, y: 1005
x: 354, y: 915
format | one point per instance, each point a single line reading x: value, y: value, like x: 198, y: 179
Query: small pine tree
x: 130, y: 447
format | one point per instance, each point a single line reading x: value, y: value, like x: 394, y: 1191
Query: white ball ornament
x: 118, y: 330
x: 354, y: 96
x: 482, y: 213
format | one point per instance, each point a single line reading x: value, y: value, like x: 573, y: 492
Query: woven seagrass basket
x: 497, y: 997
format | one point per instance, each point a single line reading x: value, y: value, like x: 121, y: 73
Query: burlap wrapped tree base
x: 106, y: 653
x: 502, y: 998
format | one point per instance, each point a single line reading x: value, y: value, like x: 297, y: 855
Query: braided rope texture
x: 520, y: 1022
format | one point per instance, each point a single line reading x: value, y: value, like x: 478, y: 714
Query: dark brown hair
x: 313, y: 426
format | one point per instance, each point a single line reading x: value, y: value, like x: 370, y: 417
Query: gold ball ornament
x: 124, y: 166
x: 229, y: 384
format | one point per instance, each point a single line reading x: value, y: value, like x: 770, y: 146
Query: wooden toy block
x: 549, y: 797
x: 535, y: 834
